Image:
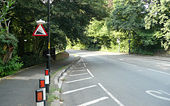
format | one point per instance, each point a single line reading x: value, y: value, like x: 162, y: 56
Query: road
x: 108, y: 79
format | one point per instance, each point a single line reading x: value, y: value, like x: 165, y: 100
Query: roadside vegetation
x: 146, y: 25
x: 106, y: 25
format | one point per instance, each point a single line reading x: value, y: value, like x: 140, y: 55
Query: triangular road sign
x: 40, y: 31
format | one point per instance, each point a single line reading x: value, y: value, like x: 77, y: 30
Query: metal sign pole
x: 48, y: 41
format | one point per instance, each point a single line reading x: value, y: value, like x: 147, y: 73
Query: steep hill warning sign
x: 40, y: 31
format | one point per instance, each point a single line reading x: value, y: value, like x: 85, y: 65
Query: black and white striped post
x: 47, y: 80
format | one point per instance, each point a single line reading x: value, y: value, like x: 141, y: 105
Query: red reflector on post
x: 39, y: 95
x: 46, y: 72
x: 42, y: 83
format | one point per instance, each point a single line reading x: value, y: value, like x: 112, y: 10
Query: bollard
x: 42, y: 86
x: 39, y: 97
x: 47, y: 80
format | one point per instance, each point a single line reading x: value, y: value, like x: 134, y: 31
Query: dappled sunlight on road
x: 35, y: 76
x: 96, y: 53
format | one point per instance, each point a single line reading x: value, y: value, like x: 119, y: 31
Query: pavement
x: 19, y: 89
x: 113, y: 79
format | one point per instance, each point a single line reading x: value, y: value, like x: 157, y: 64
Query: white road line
x: 79, y: 71
x: 157, y: 94
x: 78, y: 68
x: 78, y: 80
x: 158, y: 71
x: 83, y: 63
x: 78, y: 74
x: 90, y: 72
x: 94, y: 101
x: 164, y: 92
x: 80, y: 89
x: 114, y: 98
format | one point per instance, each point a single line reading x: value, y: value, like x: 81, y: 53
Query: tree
x: 68, y: 20
x: 158, y: 20
x: 7, y: 40
x: 24, y: 23
x: 127, y: 16
x: 9, y: 61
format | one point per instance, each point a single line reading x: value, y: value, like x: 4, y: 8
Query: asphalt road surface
x: 107, y: 79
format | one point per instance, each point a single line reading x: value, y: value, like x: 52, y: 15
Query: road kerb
x: 58, y: 80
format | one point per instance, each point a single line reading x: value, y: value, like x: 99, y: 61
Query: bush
x: 11, y: 67
x: 32, y: 59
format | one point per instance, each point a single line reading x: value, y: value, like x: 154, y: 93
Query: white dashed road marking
x: 79, y: 71
x: 73, y: 75
x: 78, y: 80
x: 83, y: 63
x: 90, y: 73
x: 80, y: 89
x: 114, y: 98
x: 94, y: 101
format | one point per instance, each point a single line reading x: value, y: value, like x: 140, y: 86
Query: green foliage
x: 97, y: 28
x: 125, y: 22
x: 30, y: 60
x: 8, y: 39
x: 5, y: 6
x: 147, y: 38
x: 127, y: 16
x: 74, y: 21
x: 11, y: 67
x: 158, y: 19
x: 9, y: 62
x: 97, y: 35
x: 67, y: 20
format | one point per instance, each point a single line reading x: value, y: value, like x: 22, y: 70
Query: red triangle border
x: 36, y: 30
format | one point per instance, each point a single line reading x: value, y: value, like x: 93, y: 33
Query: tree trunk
x: 8, y: 56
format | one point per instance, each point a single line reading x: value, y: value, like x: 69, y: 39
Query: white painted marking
x: 44, y: 93
x: 114, y: 98
x: 79, y: 71
x: 83, y: 63
x: 40, y: 103
x: 94, y: 101
x: 164, y: 92
x: 90, y: 72
x: 160, y: 92
x: 78, y: 80
x: 79, y: 68
x: 78, y: 74
x: 47, y: 79
x: 80, y: 89
x: 158, y: 71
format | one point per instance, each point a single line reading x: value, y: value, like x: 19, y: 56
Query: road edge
x: 58, y: 79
